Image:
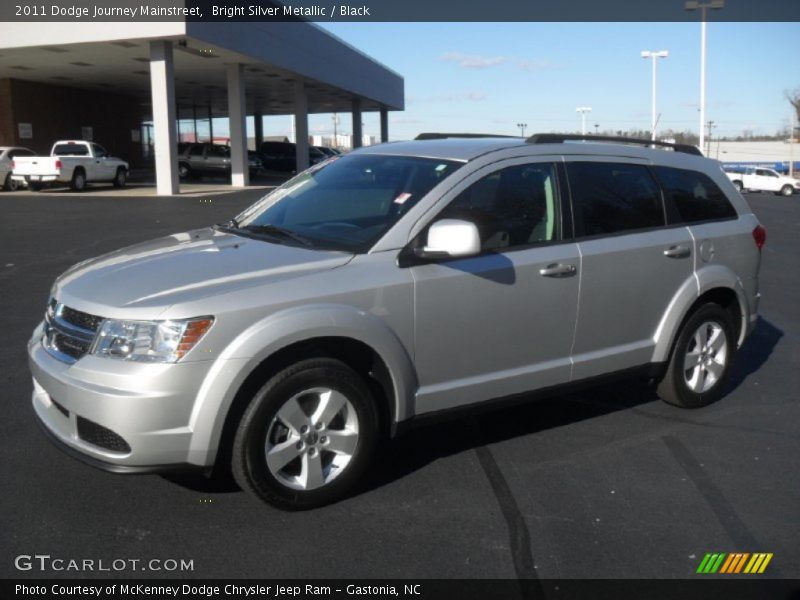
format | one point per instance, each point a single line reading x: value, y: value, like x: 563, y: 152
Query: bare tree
x: 794, y: 99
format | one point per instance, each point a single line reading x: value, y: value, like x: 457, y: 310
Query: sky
x: 487, y: 77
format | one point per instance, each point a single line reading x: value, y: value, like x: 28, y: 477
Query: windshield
x: 345, y: 203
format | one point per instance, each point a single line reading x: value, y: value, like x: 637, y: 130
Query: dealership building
x: 105, y: 81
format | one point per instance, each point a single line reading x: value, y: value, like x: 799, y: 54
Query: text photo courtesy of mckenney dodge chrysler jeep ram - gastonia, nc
x: 391, y: 284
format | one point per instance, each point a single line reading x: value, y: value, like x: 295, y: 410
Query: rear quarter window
x: 694, y: 195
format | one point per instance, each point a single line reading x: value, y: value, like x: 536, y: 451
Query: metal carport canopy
x: 107, y: 56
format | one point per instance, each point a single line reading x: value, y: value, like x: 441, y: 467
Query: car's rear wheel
x: 121, y: 178
x: 701, y: 359
x: 184, y: 171
x: 307, y: 436
x: 787, y: 190
x: 78, y: 183
x: 10, y: 185
x: 738, y: 186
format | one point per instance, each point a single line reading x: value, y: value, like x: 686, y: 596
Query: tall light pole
x: 522, y: 127
x: 703, y: 6
x: 654, y: 55
x: 583, y: 110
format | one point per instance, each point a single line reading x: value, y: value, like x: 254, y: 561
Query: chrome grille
x: 68, y: 333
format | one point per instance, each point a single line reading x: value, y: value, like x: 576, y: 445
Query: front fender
x: 280, y: 330
x: 706, y: 278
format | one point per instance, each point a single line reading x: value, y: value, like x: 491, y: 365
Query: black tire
x: 184, y: 171
x: 78, y: 183
x: 674, y: 388
x: 249, y: 461
x: 786, y: 190
x: 738, y: 186
x: 121, y: 178
x: 10, y: 185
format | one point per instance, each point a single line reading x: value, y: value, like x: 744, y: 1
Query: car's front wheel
x: 701, y: 359
x: 787, y: 190
x: 738, y: 186
x: 307, y: 436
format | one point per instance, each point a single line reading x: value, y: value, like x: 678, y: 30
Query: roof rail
x: 558, y: 138
x: 444, y: 136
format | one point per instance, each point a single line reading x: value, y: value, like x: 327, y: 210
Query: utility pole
x: 791, y: 143
x: 522, y: 127
x: 335, y: 130
x: 596, y: 127
x: 710, y: 125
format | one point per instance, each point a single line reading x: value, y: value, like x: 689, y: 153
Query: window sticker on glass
x: 402, y: 198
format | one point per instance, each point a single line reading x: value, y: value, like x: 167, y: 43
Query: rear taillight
x: 58, y: 164
x: 13, y: 165
x: 760, y: 236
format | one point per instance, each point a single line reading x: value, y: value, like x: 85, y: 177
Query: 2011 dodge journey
x: 390, y: 284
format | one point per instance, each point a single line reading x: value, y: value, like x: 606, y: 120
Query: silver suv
x: 388, y: 285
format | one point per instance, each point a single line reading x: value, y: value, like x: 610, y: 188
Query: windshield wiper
x: 230, y: 224
x: 275, y: 230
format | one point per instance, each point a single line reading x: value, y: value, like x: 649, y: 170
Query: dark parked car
x: 278, y: 156
x: 210, y: 159
x: 327, y: 151
x: 281, y: 156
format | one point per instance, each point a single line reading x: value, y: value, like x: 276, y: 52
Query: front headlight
x: 149, y: 341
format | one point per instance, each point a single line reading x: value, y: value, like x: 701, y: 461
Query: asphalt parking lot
x: 608, y: 483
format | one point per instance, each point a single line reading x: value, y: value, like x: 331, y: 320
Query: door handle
x: 677, y: 252
x: 558, y: 270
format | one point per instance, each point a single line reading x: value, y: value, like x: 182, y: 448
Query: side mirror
x: 451, y: 238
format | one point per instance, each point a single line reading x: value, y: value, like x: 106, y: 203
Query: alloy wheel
x: 706, y: 357
x: 312, y: 438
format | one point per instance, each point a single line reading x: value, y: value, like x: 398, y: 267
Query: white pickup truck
x: 761, y: 179
x: 75, y: 163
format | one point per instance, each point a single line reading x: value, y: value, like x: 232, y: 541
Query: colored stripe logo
x: 734, y: 563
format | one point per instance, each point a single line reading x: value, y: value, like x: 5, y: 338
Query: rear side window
x: 216, y: 150
x: 610, y: 198
x: 694, y: 195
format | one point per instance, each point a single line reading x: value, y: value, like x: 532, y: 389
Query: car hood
x: 181, y: 268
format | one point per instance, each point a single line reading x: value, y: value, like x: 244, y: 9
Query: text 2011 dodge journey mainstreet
x: 389, y: 284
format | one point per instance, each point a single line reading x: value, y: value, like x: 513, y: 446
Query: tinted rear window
x: 71, y: 150
x: 694, y: 195
x: 614, y: 197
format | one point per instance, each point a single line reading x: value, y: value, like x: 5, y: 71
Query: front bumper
x: 119, y: 416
